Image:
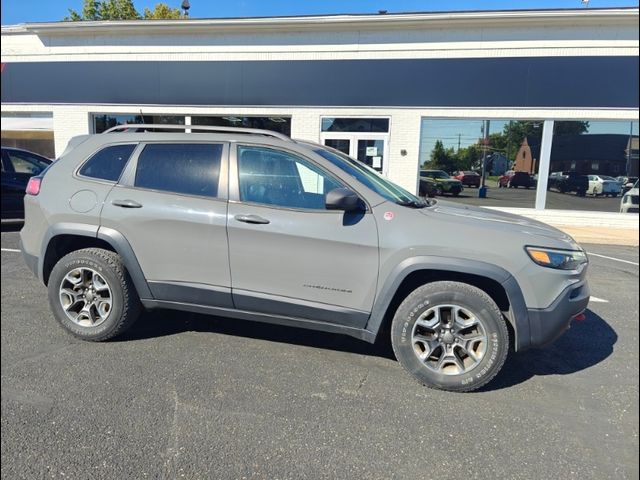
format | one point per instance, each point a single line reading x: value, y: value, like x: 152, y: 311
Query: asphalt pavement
x: 526, y: 198
x: 189, y: 396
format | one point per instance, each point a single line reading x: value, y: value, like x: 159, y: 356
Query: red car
x: 503, y: 180
x: 468, y: 178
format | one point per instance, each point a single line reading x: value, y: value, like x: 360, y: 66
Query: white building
x: 382, y: 87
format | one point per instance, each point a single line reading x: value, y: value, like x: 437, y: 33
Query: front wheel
x: 450, y: 336
x: 92, y: 295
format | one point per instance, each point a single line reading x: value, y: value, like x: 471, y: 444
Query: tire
x: 108, y: 290
x: 408, y: 331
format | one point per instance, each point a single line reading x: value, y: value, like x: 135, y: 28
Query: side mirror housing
x: 343, y: 199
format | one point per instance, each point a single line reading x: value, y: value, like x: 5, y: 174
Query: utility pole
x: 482, y: 191
x: 459, y: 143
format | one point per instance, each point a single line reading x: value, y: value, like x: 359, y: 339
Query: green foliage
x: 506, y: 142
x: 121, y: 10
x: 162, y: 11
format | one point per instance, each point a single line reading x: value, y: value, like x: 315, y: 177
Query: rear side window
x: 108, y: 163
x: 191, y: 169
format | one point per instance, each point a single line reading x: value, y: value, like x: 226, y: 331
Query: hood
x: 500, y: 221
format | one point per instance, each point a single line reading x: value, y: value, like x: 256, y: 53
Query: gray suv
x: 250, y: 224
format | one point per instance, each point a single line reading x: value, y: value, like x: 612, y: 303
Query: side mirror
x: 343, y: 199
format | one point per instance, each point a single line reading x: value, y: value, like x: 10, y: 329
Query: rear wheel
x: 450, y: 336
x: 92, y: 295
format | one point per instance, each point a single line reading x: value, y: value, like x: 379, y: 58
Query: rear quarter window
x: 108, y: 163
x: 189, y: 169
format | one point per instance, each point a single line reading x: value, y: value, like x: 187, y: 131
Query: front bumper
x: 546, y: 325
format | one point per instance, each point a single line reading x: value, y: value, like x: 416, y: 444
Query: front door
x: 171, y: 206
x: 288, y: 254
x: 370, y: 149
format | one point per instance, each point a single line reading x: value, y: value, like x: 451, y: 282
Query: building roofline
x: 336, y: 21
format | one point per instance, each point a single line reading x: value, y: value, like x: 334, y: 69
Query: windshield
x: 434, y: 174
x: 606, y: 177
x: 369, y: 177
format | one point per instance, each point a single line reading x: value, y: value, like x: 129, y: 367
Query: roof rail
x: 205, y: 128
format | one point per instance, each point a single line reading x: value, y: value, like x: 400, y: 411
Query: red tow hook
x: 580, y: 317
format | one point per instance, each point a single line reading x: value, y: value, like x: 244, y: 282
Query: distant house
x: 597, y: 153
x: 527, y: 156
x: 497, y: 164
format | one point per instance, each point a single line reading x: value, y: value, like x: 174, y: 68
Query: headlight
x: 559, y: 259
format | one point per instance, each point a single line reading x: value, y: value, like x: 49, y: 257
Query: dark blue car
x: 18, y: 166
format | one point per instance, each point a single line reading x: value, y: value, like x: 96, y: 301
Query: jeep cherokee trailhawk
x: 249, y: 224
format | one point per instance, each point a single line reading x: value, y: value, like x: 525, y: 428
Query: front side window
x: 189, y: 169
x: 108, y: 163
x: 274, y: 177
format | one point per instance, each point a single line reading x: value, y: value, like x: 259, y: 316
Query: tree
x: 162, y: 11
x: 121, y: 10
x: 442, y: 159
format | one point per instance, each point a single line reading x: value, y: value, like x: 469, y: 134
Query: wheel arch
x: 492, y: 279
x: 65, y: 238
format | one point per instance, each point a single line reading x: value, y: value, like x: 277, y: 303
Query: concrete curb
x: 587, y: 227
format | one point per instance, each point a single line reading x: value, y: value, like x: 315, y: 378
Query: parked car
x: 603, y: 185
x: 503, y: 180
x: 627, y: 183
x: 468, y: 178
x: 629, y: 201
x: 444, y: 183
x: 521, y: 179
x: 568, y: 182
x: 428, y: 187
x: 18, y: 166
x: 249, y: 224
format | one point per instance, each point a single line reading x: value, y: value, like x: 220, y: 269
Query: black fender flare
x: 518, y: 315
x: 114, y: 238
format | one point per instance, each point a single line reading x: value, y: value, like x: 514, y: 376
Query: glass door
x: 368, y: 148
x: 371, y: 152
x: 341, y: 144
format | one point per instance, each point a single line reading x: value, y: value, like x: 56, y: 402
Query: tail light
x: 33, y: 187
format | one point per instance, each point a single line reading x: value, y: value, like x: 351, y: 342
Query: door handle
x: 127, y: 203
x: 254, y: 219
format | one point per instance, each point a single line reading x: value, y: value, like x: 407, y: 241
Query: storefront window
x: 593, y: 163
x: 275, y: 123
x: 105, y: 121
x: 501, y: 155
x: 31, y: 131
x: 370, y: 125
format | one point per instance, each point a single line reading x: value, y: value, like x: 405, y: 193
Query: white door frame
x: 353, y: 137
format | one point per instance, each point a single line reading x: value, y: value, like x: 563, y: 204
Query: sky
x: 22, y: 11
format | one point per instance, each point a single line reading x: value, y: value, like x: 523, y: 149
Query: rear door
x: 171, y: 206
x: 289, y: 255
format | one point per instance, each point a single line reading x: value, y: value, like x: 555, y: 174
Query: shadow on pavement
x: 11, y: 226
x: 158, y: 323
x: 584, y: 345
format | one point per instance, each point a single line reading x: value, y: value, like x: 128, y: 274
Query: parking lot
x: 189, y: 396
x: 526, y: 198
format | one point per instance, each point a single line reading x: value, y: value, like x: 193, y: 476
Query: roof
x: 377, y: 20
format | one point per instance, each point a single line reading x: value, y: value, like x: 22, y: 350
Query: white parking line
x: 13, y: 250
x: 613, y: 258
x: 598, y: 300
